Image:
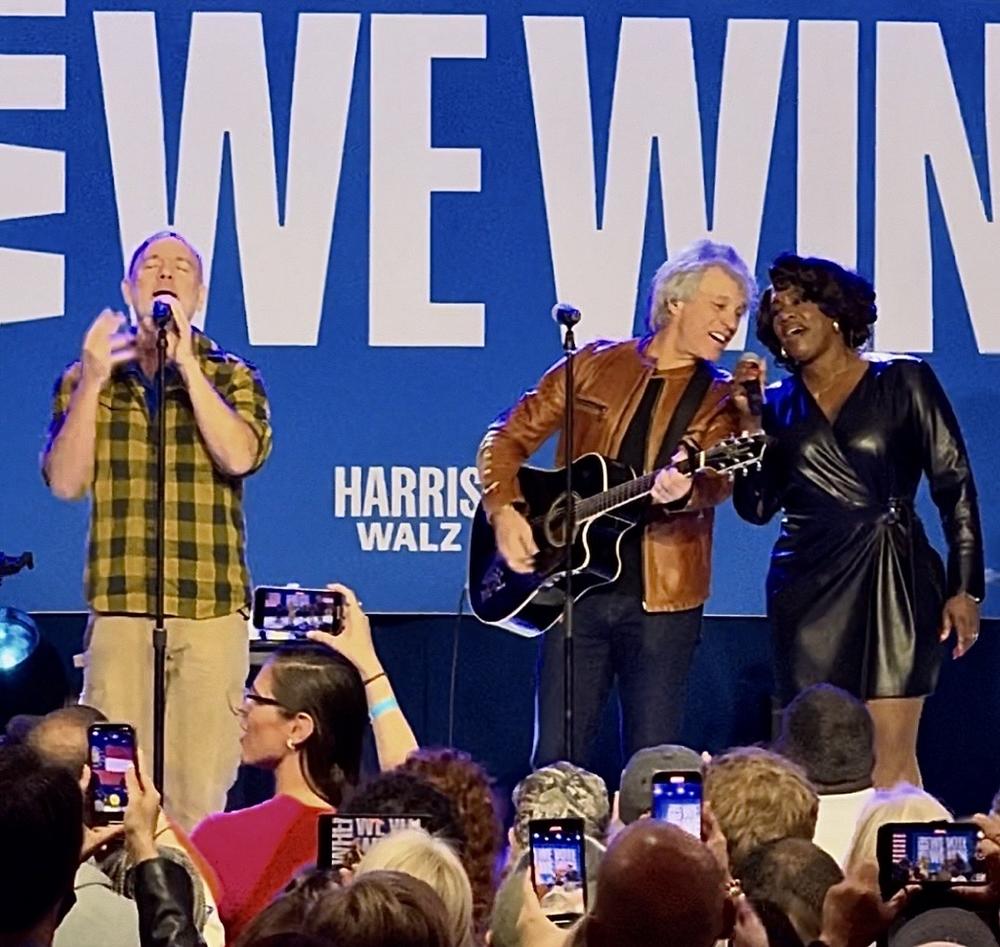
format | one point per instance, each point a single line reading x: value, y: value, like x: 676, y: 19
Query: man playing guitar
x: 643, y: 627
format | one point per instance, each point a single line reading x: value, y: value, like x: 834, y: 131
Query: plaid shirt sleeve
x: 62, y: 393
x: 245, y: 394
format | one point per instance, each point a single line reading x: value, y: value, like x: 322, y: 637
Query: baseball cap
x: 561, y: 790
x: 637, y: 777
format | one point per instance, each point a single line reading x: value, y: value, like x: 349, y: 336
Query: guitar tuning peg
x: 758, y: 466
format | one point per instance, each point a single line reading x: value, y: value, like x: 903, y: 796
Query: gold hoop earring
x: 291, y: 744
x: 784, y: 354
x: 836, y: 326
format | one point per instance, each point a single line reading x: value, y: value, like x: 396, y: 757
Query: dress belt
x: 897, y: 510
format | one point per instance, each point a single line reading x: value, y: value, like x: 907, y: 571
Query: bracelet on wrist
x: 373, y: 678
x: 382, y: 707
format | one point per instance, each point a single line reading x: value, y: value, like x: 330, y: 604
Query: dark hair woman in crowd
x: 856, y: 595
x: 304, y: 719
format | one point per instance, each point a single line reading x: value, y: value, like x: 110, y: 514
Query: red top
x: 254, y: 853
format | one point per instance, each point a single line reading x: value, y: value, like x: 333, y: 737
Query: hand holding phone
x: 141, y: 816
x: 558, y: 868
x: 930, y: 854
x: 290, y: 610
x: 676, y: 799
x: 111, y: 753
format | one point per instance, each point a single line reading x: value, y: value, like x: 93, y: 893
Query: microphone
x: 565, y: 314
x: 752, y: 387
x: 162, y: 313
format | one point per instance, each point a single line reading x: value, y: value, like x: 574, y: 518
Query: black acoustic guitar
x: 609, y: 502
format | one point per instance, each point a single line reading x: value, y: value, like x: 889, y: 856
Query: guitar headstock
x: 738, y: 453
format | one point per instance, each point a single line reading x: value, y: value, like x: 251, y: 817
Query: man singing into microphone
x: 643, y: 628
x: 103, y: 441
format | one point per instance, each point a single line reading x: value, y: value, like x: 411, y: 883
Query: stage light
x: 32, y: 677
x: 19, y: 638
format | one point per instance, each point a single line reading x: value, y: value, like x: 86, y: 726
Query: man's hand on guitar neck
x: 514, y: 539
x: 670, y: 484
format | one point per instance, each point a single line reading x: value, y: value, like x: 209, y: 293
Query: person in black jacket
x: 856, y: 595
x: 43, y: 842
x: 163, y: 891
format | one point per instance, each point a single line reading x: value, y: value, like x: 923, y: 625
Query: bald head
x: 656, y: 884
x: 60, y: 738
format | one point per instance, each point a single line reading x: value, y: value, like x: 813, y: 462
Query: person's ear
x: 127, y: 292
x: 86, y: 775
x: 303, y: 727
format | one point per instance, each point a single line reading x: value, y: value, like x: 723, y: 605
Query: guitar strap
x: 697, y: 388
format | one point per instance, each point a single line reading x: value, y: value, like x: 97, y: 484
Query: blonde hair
x: 678, y: 278
x: 431, y: 860
x: 903, y: 803
x: 758, y: 796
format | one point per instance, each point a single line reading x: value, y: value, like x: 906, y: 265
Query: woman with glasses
x: 304, y: 719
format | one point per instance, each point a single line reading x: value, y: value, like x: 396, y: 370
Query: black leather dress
x: 855, y: 590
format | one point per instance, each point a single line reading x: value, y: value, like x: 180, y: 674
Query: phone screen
x: 557, y: 868
x: 677, y: 800
x: 112, y: 751
x: 294, y: 611
x: 929, y: 853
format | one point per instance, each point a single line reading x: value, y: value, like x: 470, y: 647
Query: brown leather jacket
x: 610, y: 378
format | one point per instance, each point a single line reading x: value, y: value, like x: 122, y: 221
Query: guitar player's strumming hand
x: 670, y: 484
x: 514, y: 539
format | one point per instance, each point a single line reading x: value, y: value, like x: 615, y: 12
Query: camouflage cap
x: 636, y: 791
x: 561, y: 790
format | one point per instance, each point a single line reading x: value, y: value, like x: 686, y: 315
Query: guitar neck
x: 629, y: 491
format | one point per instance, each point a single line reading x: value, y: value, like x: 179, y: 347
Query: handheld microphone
x: 566, y: 314
x: 162, y: 313
x: 753, y: 388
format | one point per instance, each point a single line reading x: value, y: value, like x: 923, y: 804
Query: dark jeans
x: 612, y: 636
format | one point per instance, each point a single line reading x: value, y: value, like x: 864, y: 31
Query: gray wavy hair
x: 678, y: 278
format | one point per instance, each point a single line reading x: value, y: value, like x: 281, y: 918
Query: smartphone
x: 677, y: 799
x: 111, y: 752
x: 558, y: 868
x: 343, y: 839
x: 933, y: 854
x: 292, y: 611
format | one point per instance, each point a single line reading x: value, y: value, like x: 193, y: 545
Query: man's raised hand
x: 109, y: 342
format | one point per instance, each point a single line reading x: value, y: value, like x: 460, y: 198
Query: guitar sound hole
x: 555, y: 522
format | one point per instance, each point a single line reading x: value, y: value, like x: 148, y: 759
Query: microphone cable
x: 453, y: 681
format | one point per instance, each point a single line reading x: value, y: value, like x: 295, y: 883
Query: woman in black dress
x: 856, y: 595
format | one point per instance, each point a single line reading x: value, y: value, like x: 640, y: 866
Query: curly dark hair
x: 467, y: 784
x: 840, y: 295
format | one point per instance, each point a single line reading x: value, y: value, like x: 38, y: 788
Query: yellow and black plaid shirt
x: 206, y: 572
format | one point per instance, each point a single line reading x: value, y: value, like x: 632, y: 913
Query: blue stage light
x: 19, y: 638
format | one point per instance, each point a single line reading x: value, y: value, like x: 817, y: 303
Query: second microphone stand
x: 568, y: 317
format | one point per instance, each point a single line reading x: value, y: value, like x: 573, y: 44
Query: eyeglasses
x: 250, y: 696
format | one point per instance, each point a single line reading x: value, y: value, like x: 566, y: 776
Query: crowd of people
x: 787, y: 853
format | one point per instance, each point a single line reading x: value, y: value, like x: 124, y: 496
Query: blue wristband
x: 383, y: 707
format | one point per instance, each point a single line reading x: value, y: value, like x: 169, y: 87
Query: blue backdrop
x: 390, y: 199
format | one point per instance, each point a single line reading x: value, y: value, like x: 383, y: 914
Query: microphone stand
x: 568, y: 317
x: 159, y: 624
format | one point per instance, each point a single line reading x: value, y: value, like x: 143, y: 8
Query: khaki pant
x: 207, y: 662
